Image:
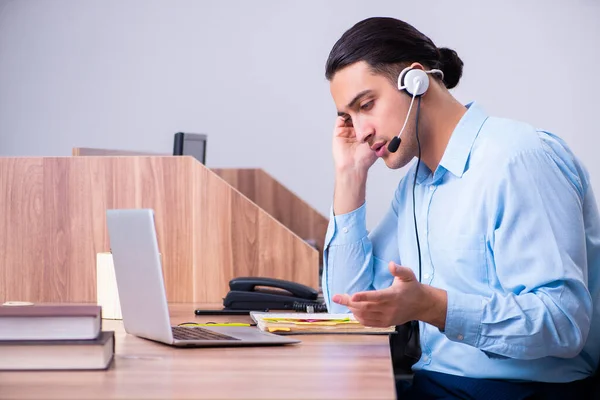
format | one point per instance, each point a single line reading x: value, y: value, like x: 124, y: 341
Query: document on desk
x: 307, y: 323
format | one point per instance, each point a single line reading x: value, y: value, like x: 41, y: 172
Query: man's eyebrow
x: 355, y: 100
x: 358, y: 97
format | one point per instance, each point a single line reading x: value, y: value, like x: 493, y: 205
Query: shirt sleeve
x: 539, y: 254
x: 355, y: 260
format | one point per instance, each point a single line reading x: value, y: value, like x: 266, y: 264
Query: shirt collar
x: 459, y: 147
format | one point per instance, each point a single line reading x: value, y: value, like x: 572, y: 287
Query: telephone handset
x: 250, y: 284
x: 260, y: 294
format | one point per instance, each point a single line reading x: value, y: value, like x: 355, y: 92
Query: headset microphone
x: 394, y: 144
x: 415, y: 82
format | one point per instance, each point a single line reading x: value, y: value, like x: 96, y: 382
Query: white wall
x: 129, y: 74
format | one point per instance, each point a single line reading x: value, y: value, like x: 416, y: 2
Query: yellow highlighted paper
x: 304, y: 323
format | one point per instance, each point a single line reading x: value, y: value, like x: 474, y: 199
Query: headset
x: 415, y: 83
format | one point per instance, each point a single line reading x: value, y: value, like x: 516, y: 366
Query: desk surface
x: 321, y: 367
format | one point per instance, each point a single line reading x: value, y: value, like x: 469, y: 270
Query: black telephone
x: 261, y: 294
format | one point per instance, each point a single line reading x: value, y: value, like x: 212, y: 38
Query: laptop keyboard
x: 194, y: 333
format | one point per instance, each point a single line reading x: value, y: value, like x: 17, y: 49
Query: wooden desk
x: 321, y: 367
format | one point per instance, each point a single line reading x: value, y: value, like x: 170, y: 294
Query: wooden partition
x: 53, y: 223
x: 279, y: 202
x: 262, y: 189
x: 91, y: 151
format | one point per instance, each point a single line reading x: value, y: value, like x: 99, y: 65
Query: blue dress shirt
x: 509, y: 227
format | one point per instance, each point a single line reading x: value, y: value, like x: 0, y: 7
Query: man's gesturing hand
x: 405, y: 300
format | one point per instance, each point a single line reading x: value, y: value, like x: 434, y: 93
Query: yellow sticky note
x: 275, y: 329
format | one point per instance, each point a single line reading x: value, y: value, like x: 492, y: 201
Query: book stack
x: 54, y: 337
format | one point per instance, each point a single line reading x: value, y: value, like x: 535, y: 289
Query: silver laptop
x: 144, y: 308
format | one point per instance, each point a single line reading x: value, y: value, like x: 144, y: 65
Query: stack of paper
x: 303, y: 323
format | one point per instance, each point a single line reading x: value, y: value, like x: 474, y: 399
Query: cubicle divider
x: 262, y: 189
x: 280, y: 202
x: 53, y: 224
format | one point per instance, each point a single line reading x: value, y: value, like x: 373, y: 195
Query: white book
x: 50, y: 322
x: 21, y: 355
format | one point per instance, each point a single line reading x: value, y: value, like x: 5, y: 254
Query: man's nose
x: 364, y: 132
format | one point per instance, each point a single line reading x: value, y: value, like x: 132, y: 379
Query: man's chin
x: 392, y: 161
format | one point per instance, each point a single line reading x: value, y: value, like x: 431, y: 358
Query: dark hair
x: 388, y: 45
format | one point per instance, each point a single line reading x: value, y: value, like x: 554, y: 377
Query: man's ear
x: 417, y: 65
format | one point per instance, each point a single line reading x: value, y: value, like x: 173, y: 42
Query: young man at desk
x: 492, y: 239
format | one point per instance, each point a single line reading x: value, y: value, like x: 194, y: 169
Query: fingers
x: 362, y: 306
x: 402, y: 273
x: 340, y: 122
x: 343, y: 128
x: 342, y: 299
x: 372, y: 317
x: 343, y: 122
x: 367, y: 313
x: 369, y: 296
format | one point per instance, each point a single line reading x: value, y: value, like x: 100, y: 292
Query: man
x: 492, y: 240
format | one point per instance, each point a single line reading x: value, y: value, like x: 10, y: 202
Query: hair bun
x: 452, y: 66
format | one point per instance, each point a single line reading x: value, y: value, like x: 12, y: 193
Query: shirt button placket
x: 428, y: 276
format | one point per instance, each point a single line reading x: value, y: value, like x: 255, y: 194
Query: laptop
x: 140, y: 284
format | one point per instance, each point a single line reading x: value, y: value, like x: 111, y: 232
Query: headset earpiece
x: 410, y: 77
x: 415, y: 82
